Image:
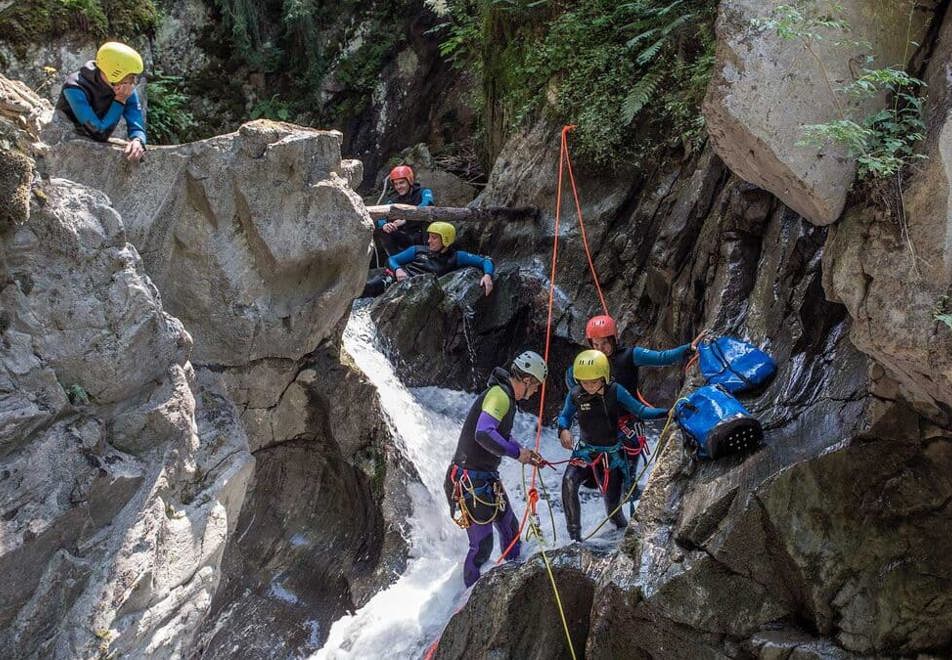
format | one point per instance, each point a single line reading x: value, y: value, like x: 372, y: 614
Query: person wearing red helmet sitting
x: 397, y: 235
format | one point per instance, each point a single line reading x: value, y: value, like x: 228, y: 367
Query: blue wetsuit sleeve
x: 637, y: 408
x: 426, y: 197
x: 490, y: 439
x: 380, y: 222
x: 135, y: 122
x: 643, y: 357
x: 402, y: 258
x: 84, y: 113
x: 570, y: 381
x: 464, y: 259
x: 567, y: 416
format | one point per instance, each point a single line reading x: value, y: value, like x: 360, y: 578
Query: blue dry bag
x: 735, y: 364
x: 716, y: 423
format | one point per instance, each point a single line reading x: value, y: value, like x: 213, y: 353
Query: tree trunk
x: 453, y: 214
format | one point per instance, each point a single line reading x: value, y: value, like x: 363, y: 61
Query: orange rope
x: 532, y: 495
x: 581, y: 220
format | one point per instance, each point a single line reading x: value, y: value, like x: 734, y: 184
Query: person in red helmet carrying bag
x: 602, y: 335
x: 397, y: 235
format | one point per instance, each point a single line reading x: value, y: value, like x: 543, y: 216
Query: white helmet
x: 532, y: 363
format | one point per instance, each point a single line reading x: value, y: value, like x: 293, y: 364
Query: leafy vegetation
x: 882, y: 142
x: 631, y: 75
x: 297, y: 44
x: 168, y: 116
x: 272, y: 108
x: 943, y: 311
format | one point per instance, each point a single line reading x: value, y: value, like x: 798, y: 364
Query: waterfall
x: 404, y: 618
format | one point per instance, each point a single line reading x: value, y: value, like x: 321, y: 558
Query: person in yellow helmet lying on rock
x: 102, y: 93
x: 599, y: 458
x: 438, y: 256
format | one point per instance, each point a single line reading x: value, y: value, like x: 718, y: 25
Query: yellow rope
x: 465, y: 512
x: 534, y: 529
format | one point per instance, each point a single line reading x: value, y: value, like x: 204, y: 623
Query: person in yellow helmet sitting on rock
x: 438, y: 256
x: 102, y: 92
x: 599, y: 458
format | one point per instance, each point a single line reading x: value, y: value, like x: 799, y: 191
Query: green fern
x: 660, y: 26
x: 639, y: 96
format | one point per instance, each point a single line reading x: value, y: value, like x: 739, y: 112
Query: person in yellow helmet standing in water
x: 438, y: 256
x: 599, y: 458
x: 102, y: 92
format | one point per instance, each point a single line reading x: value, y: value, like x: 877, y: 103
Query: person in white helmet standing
x: 472, y: 480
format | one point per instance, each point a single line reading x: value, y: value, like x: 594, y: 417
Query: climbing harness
x: 488, y: 494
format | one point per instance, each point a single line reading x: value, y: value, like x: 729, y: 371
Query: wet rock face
x: 765, y: 89
x: 512, y: 614
x: 784, y: 551
x: 467, y: 333
x: 322, y: 530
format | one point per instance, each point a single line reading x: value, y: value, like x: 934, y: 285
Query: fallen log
x: 453, y: 214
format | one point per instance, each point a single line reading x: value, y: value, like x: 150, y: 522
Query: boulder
x: 118, y: 490
x: 467, y: 333
x: 766, y: 89
x: 151, y: 460
x: 512, y: 613
x: 256, y: 242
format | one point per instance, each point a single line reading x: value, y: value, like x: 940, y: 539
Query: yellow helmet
x: 117, y: 61
x: 590, y: 365
x: 444, y: 230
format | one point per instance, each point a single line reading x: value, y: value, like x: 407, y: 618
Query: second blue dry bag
x: 716, y: 423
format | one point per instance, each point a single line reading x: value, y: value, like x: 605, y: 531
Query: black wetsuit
x: 411, y: 233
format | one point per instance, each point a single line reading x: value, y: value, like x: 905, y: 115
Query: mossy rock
x: 16, y: 174
x: 29, y: 22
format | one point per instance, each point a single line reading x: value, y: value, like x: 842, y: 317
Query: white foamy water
x: 402, y: 620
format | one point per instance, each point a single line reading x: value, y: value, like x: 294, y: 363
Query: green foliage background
x: 630, y: 75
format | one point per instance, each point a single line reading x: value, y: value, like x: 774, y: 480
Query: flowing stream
x: 402, y: 620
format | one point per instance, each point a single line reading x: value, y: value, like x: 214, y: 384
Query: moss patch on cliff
x: 16, y: 173
x: 27, y: 22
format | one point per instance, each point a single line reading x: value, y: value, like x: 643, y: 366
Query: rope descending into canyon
x: 531, y: 517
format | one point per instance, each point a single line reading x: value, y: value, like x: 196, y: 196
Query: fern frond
x: 639, y: 96
x: 649, y: 53
x: 678, y: 22
x: 644, y: 36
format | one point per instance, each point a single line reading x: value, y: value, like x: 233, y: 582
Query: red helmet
x: 600, y: 326
x: 402, y: 172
